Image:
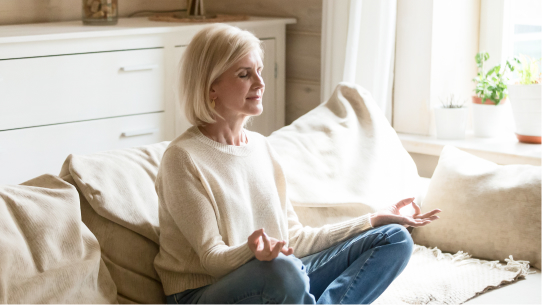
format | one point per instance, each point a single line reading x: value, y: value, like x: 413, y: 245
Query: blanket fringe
x: 463, y: 258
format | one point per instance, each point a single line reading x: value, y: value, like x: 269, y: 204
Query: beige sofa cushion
x: 345, y: 153
x: 47, y: 255
x: 490, y: 211
x: 343, y: 159
x: 121, y: 209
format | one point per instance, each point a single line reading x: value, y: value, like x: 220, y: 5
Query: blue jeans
x: 355, y: 271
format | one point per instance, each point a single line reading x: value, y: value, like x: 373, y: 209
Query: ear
x: 212, y: 92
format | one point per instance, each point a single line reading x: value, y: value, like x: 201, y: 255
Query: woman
x: 228, y: 233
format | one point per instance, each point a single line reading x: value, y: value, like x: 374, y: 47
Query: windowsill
x: 502, y: 150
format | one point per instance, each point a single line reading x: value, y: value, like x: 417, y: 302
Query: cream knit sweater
x: 212, y: 196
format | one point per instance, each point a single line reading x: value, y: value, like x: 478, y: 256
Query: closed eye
x: 246, y: 73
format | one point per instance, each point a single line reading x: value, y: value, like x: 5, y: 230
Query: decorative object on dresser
x: 491, y: 92
x: 526, y: 99
x: 195, y: 12
x: 195, y: 9
x: 100, y: 12
x: 66, y: 88
x: 451, y: 118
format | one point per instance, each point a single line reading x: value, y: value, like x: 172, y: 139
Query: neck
x: 225, y: 133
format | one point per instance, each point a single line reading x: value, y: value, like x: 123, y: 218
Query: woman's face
x: 238, y: 91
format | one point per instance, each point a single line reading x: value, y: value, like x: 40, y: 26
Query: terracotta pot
x: 526, y: 101
x: 487, y: 118
x: 478, y: 100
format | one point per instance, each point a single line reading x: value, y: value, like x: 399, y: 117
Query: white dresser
x: 67, y: 89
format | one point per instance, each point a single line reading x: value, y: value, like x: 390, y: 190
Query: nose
x: 259, y: 83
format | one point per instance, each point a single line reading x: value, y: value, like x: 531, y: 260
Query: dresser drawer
x: 30, y: 152
x: 67, y: 88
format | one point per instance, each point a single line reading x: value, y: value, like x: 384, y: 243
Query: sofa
x: 90, y: 233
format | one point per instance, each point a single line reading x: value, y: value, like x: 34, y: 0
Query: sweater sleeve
x: 306, y: 240
x: 186, y: 199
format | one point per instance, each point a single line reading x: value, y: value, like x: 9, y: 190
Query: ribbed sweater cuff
x: 349, y: 228
x: 241, y: 255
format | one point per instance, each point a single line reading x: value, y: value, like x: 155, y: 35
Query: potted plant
x: 526, y: 99
x: 451, y: 118
x: 491, y: 92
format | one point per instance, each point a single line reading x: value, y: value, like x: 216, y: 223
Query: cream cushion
x: 47, y: 255
x: 343, y: 159
x: 490, y: 211
x: 120, y: 207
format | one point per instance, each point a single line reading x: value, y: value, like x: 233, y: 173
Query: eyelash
x: 244, y: 76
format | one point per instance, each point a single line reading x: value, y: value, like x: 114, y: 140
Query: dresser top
x: 125, y: 26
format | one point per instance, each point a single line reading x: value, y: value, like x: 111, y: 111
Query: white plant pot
x: 487, y: 119
x: 451, y: 122
x: 526, y: 101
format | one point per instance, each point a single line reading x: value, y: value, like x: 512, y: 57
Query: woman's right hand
x: 392, y: 215
x: 266, y: 248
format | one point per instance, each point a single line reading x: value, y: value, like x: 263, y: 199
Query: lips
x: 254, y: 97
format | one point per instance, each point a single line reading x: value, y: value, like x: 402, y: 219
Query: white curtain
x: 358, y: 46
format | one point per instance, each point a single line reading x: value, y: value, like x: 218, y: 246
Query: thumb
x: 254, y: 237
x: 404, y: 202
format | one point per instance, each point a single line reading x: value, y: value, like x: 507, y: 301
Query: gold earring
x: 213, y: 103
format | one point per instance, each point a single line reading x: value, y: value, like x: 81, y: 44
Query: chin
x: 257, y: 110
x: 260, y: 111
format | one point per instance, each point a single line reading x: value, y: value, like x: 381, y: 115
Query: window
x: 525, y: 29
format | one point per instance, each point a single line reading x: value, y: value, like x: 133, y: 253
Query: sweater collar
x: 229, y: 149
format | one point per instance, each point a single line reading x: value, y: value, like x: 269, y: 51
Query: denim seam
x: 355, y: 277
x: 336, y: 254
x: 389, y: 236
x: 250, y: 296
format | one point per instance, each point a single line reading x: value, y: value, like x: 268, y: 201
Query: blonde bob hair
x: 211, y: 52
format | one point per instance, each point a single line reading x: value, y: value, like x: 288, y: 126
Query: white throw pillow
x: 47, y: 255
x: 489, y: 211
x: 344, y: 158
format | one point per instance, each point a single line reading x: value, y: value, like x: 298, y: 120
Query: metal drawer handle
x: 139, y: 132
x: 138, y: 67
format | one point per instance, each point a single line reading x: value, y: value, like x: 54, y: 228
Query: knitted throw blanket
x: 433, y: 277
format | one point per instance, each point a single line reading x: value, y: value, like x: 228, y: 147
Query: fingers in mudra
x: 430, y: 215
x: 266, y: 248
x: 392, y: 215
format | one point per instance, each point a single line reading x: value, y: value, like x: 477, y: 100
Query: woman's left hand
x: 391, y: 215
x: 267, y: 248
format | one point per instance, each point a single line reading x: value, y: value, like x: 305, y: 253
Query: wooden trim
x: 302, y: 81
x: 293, y: 32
